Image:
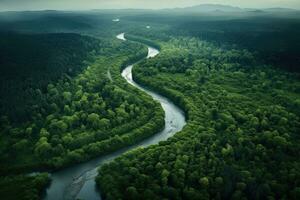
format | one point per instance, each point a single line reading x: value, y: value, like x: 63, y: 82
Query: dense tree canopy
x: 73, y: 117
x: 63, y: 101
x: 241, y: 140
x: 23, y: 187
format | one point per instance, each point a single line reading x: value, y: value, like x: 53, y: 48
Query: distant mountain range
x: 227, y: 8
x: 202, y: 8
x: 212, y: 8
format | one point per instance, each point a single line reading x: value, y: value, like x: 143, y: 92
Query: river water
x: 78, y: 181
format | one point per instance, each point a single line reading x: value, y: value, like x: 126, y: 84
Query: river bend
x: 78, y: 181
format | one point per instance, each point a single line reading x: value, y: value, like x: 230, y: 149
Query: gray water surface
x: 78, y: 181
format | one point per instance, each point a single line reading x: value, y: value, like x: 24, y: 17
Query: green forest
x: 76, y: 113
x: 77, y: 118
x: 241, y: 141
x: 64, y: 103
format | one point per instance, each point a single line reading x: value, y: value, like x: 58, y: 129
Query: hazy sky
x: 98, y: 4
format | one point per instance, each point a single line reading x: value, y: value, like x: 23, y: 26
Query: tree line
x: 241, y: 140
x: 77, y: 117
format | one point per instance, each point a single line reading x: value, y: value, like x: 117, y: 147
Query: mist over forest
x: 137, y: 100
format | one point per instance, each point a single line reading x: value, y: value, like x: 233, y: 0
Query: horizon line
x: 153, y: 9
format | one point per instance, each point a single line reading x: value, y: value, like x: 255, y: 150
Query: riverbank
x: 78, y: 181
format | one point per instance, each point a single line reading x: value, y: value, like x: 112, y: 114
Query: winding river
x: 78, y: 181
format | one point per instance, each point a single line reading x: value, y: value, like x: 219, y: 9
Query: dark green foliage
x: 46, y: 22
x: 274, y: 38
x: 78, y: 118
x: 28, y: 63
x: 241, y: 140
x: 23, y: 187
x: 276, y: 41
x: 242, y: 136
x: 142, y: 40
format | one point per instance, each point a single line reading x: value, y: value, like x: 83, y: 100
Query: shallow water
x: 78, y: 181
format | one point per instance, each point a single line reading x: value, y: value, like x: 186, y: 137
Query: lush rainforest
x: 30, y: 62
x: 241, y: 141
x: 23, y: 186
x: 63, y: 101
x: 73, y: 119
